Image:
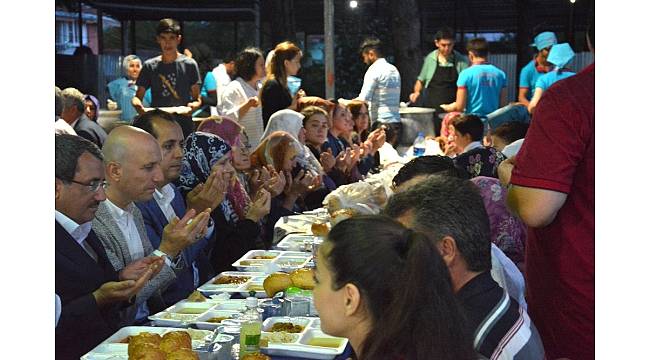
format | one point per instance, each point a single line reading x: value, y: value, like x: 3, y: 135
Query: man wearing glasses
x: 168, y: 203
x: 91, y: 291
x: 132, y: 166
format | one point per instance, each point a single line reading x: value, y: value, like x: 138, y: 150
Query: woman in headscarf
x: 506, y: 231
x: 281, y: 150
x: 123, y: 89
x: 291, y: 122
x: 91, y: 107
x: 237, y: 217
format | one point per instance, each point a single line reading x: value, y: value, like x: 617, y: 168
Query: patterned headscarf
x: 202, y: 151
x: 482, y: 161
x: 226, y: 128
x: 96, y: 103
x: 506, y: 231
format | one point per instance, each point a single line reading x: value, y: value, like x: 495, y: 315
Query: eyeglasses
x: 94, y: 185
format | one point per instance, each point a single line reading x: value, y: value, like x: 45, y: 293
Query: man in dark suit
x: 167, y: 203
x: 91, y: 291
x: 73, y: 114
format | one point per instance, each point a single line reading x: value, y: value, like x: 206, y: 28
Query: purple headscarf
x: 506, y: 231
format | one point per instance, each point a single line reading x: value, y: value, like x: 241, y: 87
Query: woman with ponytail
x: 275, y: 94
x: 388, y: 291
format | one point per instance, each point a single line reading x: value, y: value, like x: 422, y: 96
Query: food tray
x: 111, y: 348
x: 298, y: 242
x: 181, y: 314
x: 211, y: 288
x: 300, y: 344
x: 202, y: 323
x: 274, y: 261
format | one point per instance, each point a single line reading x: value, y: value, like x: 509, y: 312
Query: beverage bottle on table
x: 251, y: 328
x: 419, y: 145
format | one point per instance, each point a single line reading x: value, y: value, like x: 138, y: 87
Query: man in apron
x: 436, y: 83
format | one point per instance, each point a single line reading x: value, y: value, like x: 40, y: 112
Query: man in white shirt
x: 168, y: 203
x: 132, y: 165
x: 91, y: 291
x: 223, y: 74
x: 381, y: 88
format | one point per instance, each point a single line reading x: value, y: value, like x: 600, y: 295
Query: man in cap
x: 536, y: 67
x: 560, y: 56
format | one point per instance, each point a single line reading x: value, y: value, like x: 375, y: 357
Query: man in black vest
x: 91, y: 291
x: 436, y: 83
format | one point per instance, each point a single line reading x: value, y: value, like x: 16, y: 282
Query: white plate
x: 248, y: 263
x: 296, y: 242
x: 201, y: 322
x: 211, y: 288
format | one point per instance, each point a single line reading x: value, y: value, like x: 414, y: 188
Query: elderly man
x: 451, y: 212
x: 91, y: 291
x: 132, y: 164
x: 73, y: 113
x: 168, y: 203
x: 60, y: 125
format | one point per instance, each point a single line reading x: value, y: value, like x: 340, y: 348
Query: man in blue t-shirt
x: 481, y: 87
x: 536, y: 67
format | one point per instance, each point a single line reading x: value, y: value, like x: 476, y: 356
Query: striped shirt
x: 381, y: 87
x: 502, y: 329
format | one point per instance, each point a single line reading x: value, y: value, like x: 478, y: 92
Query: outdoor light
x: 571, y: 1
x: 354, y: 4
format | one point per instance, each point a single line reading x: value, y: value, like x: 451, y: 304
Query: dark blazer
x: 82, y: 325
x: 90, y: 130
x: 154, y: 222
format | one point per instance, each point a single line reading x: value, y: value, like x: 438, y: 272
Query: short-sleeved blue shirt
x: 122, y: 91
x: 209, y: 84
x: 528, y: 78
x: 545, y: 81
x: 483, y: 83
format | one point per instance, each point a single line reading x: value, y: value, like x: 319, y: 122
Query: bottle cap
x: 251, y: 302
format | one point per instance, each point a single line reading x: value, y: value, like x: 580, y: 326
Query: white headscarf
x: 291, y: 122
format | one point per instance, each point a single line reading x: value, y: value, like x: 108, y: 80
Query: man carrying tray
x: 173, y: 78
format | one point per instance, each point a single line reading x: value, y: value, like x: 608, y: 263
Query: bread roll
x: 143, y: 338
x: 276, y: 282
x: 182, y: 354
x: 175, y: 340
x: 303, y: 278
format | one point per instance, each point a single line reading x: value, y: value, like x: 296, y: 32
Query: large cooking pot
x: 415, y: 120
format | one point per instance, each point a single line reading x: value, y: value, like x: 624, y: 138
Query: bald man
x: 132, y: 166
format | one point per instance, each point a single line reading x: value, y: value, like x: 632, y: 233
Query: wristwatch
x: 172, y: 262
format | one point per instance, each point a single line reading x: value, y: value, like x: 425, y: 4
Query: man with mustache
x: 167, y: 203
x: 132, y: 166
x: 92, y: 293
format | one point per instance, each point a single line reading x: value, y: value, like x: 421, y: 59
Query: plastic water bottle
x: 251, y: 328
x: 419, y: 145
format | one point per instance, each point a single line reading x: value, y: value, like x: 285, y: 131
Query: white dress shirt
x: 471, y: 146
x: 126, y: 223
x: 78, y: 232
